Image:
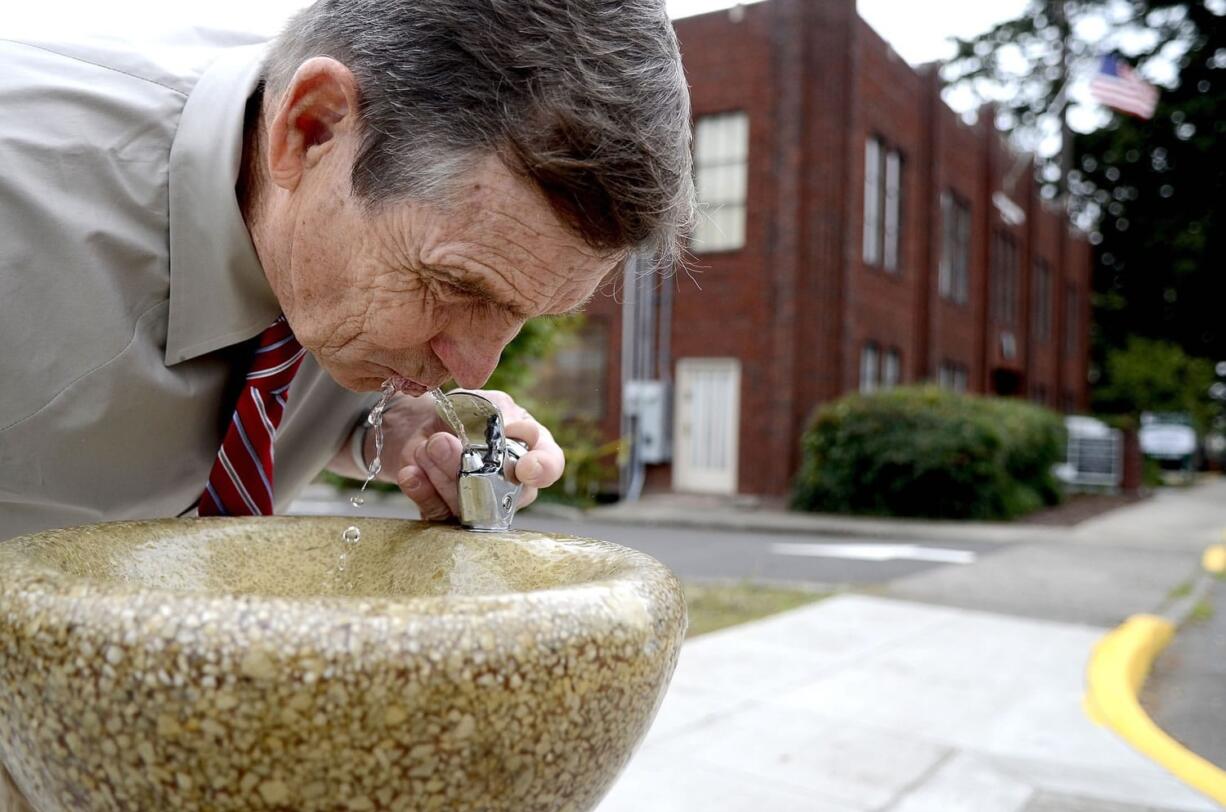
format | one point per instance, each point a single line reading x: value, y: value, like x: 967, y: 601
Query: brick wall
x: 797, y: 303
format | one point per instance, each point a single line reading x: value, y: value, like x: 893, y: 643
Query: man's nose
x: 470, y: 359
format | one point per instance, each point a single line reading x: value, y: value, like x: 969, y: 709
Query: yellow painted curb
x: 1214, y: 559
x: 1118, y: 669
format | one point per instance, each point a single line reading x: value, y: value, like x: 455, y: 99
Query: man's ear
x: 320, y: 104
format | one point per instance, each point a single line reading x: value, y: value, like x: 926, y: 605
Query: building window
x: 1038, y: 394
x: 870, y: 357
x: 1041, y: 306
x: 1004, y: 279
x: 891, y: 369
x: 721, y: 168
x: 883, y: 168
x: 893, y: 208
x: 1072, y: 327
x: 952, y: 376
x: 954, y: 273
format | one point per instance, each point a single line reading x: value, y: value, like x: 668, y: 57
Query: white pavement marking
x: 877, y: 552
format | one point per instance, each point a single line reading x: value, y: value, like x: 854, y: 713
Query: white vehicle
x: 1170, y: 439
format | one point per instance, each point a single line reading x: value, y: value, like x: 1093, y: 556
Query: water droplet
x: 357, y: 500
x: 352, y: 535
x: 375, y: 467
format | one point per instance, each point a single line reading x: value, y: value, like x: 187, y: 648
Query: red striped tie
x: 240, y: 483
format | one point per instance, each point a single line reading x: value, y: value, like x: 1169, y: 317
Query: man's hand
x: 422, y: 456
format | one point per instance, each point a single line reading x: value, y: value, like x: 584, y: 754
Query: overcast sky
x: 919, y: 31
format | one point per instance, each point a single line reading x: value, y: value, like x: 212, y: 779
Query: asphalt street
x: 693, y: 553
x: 1184, y: 692
x: 705, y: 554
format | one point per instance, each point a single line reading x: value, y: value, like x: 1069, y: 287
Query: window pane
x: 721, y: 183
x: 707, y: 236
x: 736, y: 226
x: 738, y: 147
x: 962, y: 255
x: 893, y: 214
x: 891, y: 370
x: 945, y: 272
x: 1041, y: 306
x: 872, y: 201
x: 868, y: 368
x: 1071, y: 326
x: 1004, y: 279
x: 721, y: 151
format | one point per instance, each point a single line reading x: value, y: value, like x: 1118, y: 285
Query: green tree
x: 538, y: 338
x: 1149, y: 191
x: 1021, y: 65
x: 1156, y: 376
x: 1158, y: 184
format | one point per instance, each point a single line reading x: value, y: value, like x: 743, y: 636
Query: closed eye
x: 478, y: 294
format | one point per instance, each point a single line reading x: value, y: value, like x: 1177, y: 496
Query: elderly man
x: 394, y: 186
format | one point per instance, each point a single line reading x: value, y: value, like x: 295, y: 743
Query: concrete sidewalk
x: 861, y: 703
x: 922, y: 701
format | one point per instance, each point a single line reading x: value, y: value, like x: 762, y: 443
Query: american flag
x: 1117, y: 85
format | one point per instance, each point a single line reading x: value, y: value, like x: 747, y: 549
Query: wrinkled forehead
x: 495, y: 203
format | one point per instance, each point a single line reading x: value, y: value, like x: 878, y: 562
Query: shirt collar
x: 218, y: 292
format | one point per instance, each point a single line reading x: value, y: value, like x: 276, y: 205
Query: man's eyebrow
x: 479, y: 289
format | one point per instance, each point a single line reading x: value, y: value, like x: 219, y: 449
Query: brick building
x: 856, y: 234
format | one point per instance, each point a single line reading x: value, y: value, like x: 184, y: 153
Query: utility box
x: 645, y: 406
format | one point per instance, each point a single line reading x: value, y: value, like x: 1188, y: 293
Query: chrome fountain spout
x: 488, y: 497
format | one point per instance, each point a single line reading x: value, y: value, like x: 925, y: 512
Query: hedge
x: 927, y: 452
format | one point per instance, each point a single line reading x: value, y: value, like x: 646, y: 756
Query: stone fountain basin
x: 223, y: 664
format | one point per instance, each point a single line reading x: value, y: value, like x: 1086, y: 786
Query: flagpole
x: 1058, y: 105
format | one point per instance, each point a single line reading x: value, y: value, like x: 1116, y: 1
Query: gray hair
x: 585, y: 97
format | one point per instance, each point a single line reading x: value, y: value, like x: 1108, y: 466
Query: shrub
x: 922, y: 451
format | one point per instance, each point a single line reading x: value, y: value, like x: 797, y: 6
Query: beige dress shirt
x: 128, y: 283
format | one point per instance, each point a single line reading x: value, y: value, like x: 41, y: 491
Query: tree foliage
x: 1020, y: 65
x: 1149, y: 191
x: 1156, y: 376
x: 1158, y: 185
x: 536, y: 340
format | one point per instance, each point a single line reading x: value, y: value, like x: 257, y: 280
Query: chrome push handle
x: 488, y: 497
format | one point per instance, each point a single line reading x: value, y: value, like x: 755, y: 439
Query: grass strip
x: 720, y: 605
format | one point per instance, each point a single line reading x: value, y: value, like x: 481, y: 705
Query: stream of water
x: 448, y: 409
x: 374, y: 420
x: 352, y: 534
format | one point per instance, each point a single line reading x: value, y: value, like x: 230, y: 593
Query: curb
x: 1118, y: 668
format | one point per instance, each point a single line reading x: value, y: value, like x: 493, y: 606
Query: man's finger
x: 543, y: 464
x: 527, y: 496
x: 439, y: 458
x: 528, y: 432
x: 540, y: 468
x: 416, y: 485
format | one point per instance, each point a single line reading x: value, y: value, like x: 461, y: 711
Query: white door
x: 708, y: 416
